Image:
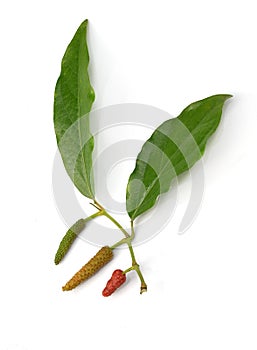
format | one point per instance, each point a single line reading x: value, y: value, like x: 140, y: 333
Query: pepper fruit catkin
x: 117, y: 279
x: 68, y: 239
x: 103, y: 256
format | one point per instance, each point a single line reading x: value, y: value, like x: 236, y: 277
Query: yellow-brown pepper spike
x: 103, y: 256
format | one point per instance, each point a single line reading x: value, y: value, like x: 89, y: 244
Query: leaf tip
x: 84, y: 24
x: 223, y: 96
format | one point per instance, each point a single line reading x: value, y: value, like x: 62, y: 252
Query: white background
x: 202, y: 285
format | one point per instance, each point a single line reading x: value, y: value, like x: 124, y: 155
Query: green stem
x: 117, y: 244
x: 128, y: 239
x: 137, y: 269
x: 130, y: 245
x: 133, y: 258
x: 99, y: 213
x: 143, y: 287
x: 132, y: 230
x: 128, y: 270
x: 116, y: 223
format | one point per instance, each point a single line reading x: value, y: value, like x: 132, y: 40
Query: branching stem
x: 127, y: 240
x: 99, y: 213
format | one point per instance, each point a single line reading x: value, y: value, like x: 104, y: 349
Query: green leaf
x: 74, y: 97
x: 173, y: 148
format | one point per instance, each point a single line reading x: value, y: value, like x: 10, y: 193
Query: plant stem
x: 134, y: 263
x: 117, y: 244
x: 125, y: 240
x: 97, y: 205
x: 137, y: 269
x: 128, y: 240
x: 143, y: 287
x: 132, y: 230
x: 116, y: 223
x: 129, y: 269
x: 99, y: 213
x: 130, y: 245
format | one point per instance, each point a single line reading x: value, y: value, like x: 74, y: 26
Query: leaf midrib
x: 79, y: 118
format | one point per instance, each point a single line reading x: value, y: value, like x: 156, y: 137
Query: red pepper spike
x: 117, y: 279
